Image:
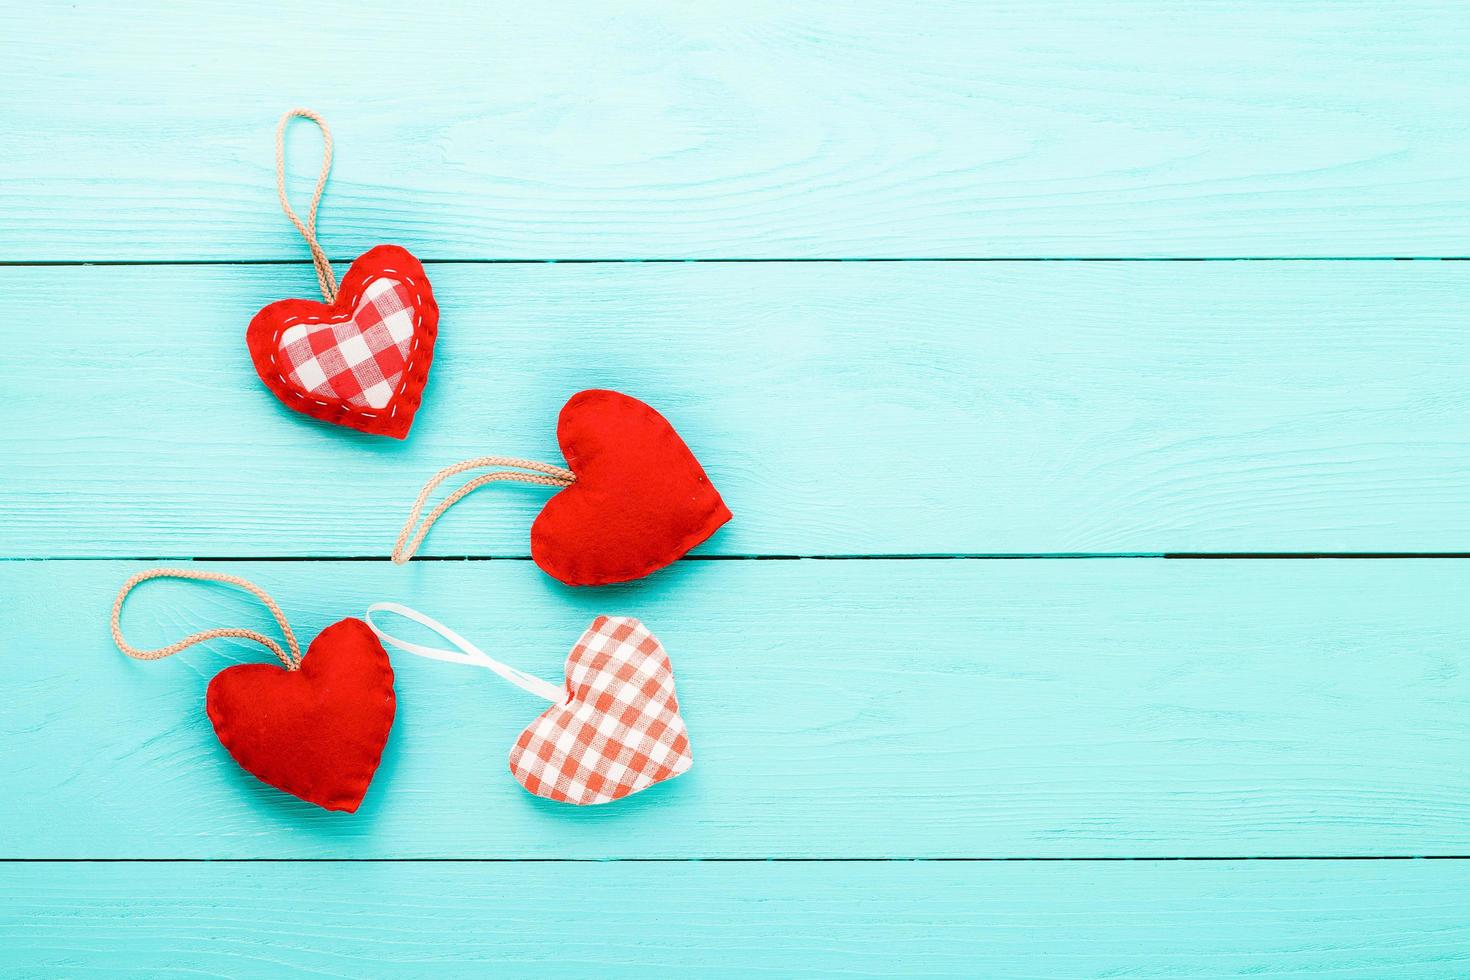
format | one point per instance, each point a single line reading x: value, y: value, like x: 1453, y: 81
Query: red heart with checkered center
x: 619, y: 730
x: 360, y: 361
x: 316, y: 732
x: 641, y: 500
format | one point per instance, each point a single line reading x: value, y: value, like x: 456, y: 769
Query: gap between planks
x: 1145, y: 859
x: 347, y: 260
x: 977, y: 556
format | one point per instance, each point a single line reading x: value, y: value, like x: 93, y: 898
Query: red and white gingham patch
x: 360, y: 360
x: 619, y: 730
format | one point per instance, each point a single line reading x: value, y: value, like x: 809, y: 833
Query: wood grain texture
x: 905, y: 408
x: 1370, y: 920
x: 836, y: 708
x: 750, y: 129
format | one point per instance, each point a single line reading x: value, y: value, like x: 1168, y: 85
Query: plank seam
x: 1145, y: 859
x: 977, y: 556
x: 751, y: 260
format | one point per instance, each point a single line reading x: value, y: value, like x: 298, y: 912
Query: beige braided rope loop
x: 292, y: 660
x: 324, y: 275
x: 543, y: 474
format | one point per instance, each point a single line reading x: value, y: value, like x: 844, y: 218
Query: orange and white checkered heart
x: 619, y: 730
x: 358, y: 360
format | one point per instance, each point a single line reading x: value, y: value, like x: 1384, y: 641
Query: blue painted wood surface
x: 743, y: 129
x: 1361, y: 919
x: 844, y: 408
x: 891, y: 709
x: 860, y: 723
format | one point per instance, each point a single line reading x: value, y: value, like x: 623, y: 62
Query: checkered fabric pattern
x: 360, y: 360
x: 619, y: 730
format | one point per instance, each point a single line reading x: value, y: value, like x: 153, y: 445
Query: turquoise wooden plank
x: 667, y: 129
x: 873, y: 708
x: 901, y: 408
x: 1368, y: 919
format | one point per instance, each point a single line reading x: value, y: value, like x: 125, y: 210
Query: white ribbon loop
x: 468, y: 653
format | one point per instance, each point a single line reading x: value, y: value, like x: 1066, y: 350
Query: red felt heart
x: 316, y: 732
x: 361, y: 361
x: 641, y: 499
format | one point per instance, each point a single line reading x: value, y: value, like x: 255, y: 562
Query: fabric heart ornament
x: 632, y: 498
x: 315, y: 729
x: 613, y: 730
x: 640, y: 499
x: 619, y: 730
x: 361, y: 358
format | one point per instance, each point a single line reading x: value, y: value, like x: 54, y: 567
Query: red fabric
x: 641, y: 499
x: 361, y: 361
x: 619, y: 730
x: 316, y: 732
x: 358, y: 361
